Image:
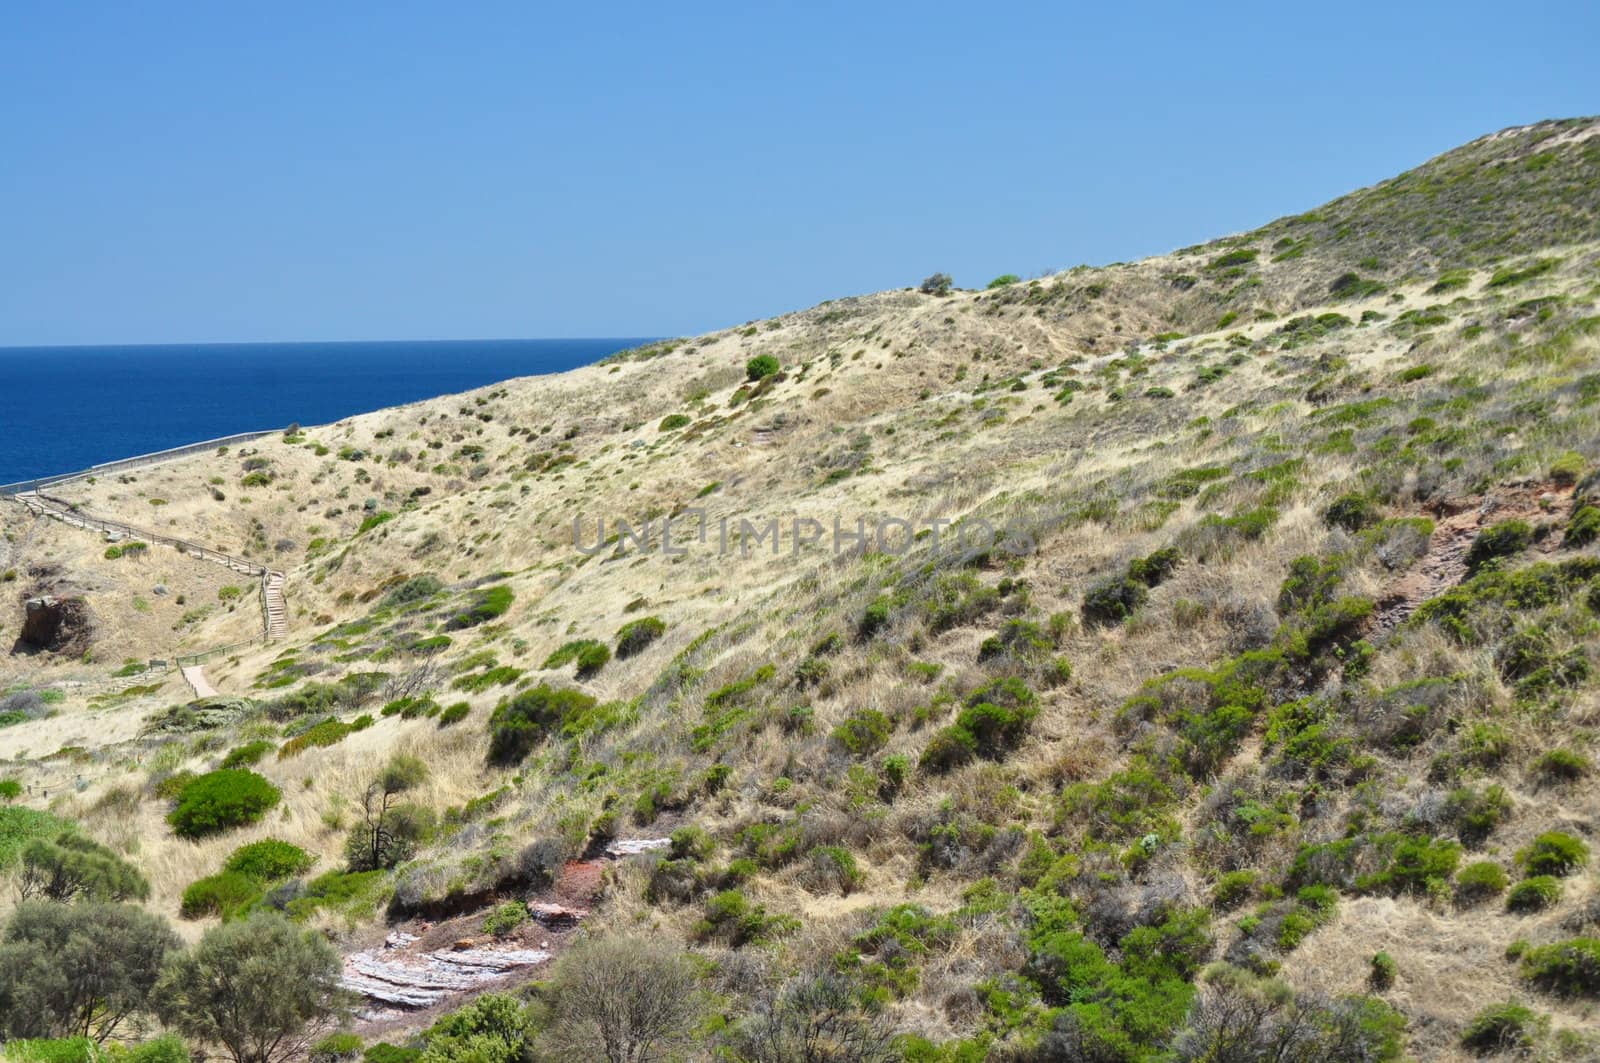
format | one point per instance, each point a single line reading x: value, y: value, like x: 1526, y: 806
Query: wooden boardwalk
x: 274, y: 606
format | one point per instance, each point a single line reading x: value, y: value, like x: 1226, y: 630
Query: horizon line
x: 4, y: 347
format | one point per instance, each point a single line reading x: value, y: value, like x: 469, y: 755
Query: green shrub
x: 1417, y: 865
x: 1234, y: 888
x: 864, y: 733
x: 476, y: 682
x: 1479, y: 881
x: 1504, y: 539
x: 674, y: 421
x: 994, y: 722
x: 1002, y: 281
x: 936, y: 284
x: 1478, y: 814
x: 1112, y: 600
x: 590, y: 655
x: 875, y: 617
x: 761, y: 366
x: 336, y: 1047
x: 413, y: 590
x: 1019, y: 642
x: 10, y: 789
x: 732, y: 918
x: 454, y: 714
x: 1352, y: 512
x: 384, y: 1052
x: 1534, y: 894
x: 1570, y: 967
x: 1506, y: 1027
x: 522, y: 722
x: 636, y: 635
x: 1553, y: 853
x: 53, y: 1050
x: 1155, y: 568
x: 269, y: 860
x: 221, y: 800
x: 1509, y: 275
x: 1568, y: 468
x: 1383, y: 971
x: 505, y: 918
x: 1583, y: 528
x: 165, y: 1049
x: 224, y: 894
x: 246, y: 755
x: 487, y: 603
x: 323, y: 733
x: 1562, y: 765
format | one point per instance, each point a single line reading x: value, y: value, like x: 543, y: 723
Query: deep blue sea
x: 66, y: 408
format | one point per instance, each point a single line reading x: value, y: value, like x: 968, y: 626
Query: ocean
x: 66, y: 408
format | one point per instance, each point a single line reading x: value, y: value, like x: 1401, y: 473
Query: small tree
x: 72, y: 866
x: 253, y: 986
x: 389, y: 830
x: 813, y: 1017
x: 938, y: 284
x: 624, y: 1000
x: 78, y: 970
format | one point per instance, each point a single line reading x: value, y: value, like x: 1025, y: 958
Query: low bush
x: 1571, y: 967
x: 1352, y: 512
x: 487, y: 603
x: 636, y: 635
x: 221, y: 800
x: 454, y: 714
x: 994, y: 722
x: 1504, y: 539
x: 1155, y: 568
x: 522, y: 722
x: 1562, y: 765
x: 321, y: 734
x: 1383, y: 972
x: 1506, y: 1027
x: 1534, y: 894
x: 1112, y: 600
x: 1553, y: 853
x: 224, y: 894
x: 864, y: 732
x: 1583, y: 527
x: 505, y: 918
x: 590, y: 655
x: 247, y: 754
x: 732, y: 918
x: 269, y: 860
x: 413, y: 590
x: 673, y: 421
x: 1480, y: 881
x: 761, y: 366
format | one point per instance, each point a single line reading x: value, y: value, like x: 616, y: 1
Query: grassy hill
x: 1205, y: 650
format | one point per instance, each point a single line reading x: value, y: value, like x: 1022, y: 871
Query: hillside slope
x: 1284, y: 634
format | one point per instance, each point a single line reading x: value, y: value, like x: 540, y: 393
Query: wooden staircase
x: 274, y: 608
x: 277, y: 610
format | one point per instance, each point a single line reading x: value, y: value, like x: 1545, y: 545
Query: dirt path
x: 196, y: 676
x: 1458, y: 522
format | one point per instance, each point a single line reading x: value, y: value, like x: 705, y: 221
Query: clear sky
x: 286, y: 170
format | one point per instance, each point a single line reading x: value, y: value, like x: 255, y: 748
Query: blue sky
x: 207, y: 172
